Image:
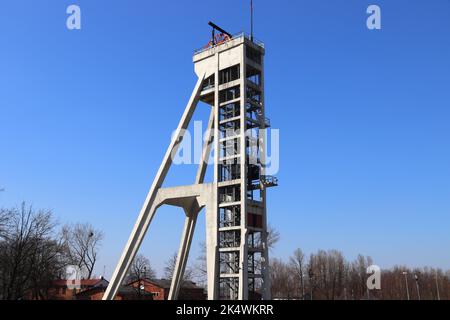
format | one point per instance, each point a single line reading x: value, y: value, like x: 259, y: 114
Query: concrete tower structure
x: 231, y: 81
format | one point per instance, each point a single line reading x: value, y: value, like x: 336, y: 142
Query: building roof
x: 123, y: 291
x: 82, y: 282
x: 165, y: 283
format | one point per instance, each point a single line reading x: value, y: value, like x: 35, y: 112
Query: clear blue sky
x: 86, y: 116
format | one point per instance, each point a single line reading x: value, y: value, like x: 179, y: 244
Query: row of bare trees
x: 327, y: 275
x: 34, y: 252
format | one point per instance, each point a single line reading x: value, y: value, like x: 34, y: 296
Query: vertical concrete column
x: 266, y: 293
x: 243, y: 256
x: 212, y: 219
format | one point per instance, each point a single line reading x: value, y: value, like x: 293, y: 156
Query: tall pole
x: 139, y: 284
x: 406, y: 283
x: 251, y: 20
x: 417, y: 285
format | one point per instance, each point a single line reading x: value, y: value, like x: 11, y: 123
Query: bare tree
x: 298, y: 265
x: 282, y: 280
x: 4, y: 223
x: 273, y: 236
x: 30, y: 258
x: 327, y: 275
x: 48, y: 264
x: 140, y: 269
x: 170, y: 269
x: 200, y: 267
x: 335, y: 267
x: 358, y: 277
x: 82, y: 245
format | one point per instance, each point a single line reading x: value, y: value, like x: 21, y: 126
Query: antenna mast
x: 251, y: 20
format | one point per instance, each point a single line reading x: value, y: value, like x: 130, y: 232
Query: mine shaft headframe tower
x: 237, y: 233
x: 230, y: 74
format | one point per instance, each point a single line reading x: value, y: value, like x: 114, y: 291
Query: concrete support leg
x: 183, y: 254
x: 148, y: 210
x: 191, y: 217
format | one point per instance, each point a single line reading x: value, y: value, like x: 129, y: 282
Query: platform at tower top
x: 236, y: 40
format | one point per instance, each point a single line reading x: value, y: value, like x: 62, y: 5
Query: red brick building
x: 68, y: 289
x: 93, y: 289
x: 159, y: 289
x: 125, y: 293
